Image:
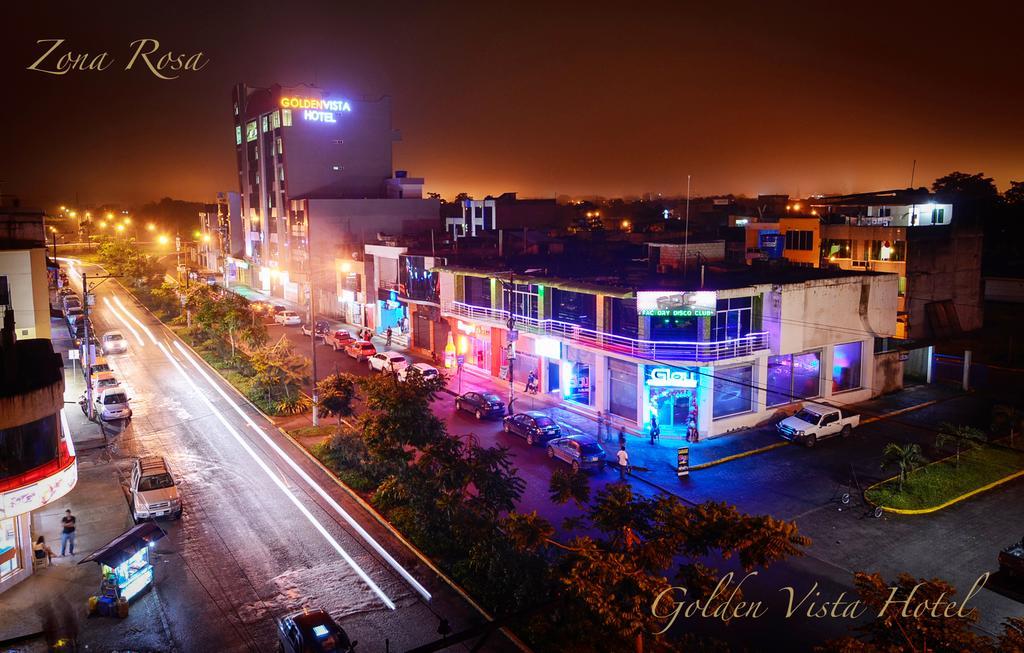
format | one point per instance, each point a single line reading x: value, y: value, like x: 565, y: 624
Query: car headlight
x: 800, y: 433
x: 176, y: 502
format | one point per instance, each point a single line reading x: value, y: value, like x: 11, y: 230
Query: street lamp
x: 162, y: 239
x: 103, y: 224
x: 150, y: 227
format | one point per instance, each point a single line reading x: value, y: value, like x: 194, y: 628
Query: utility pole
x: 511, y: 343
x: 87, y: 363
x: 53, y: 233
x: 312, y: 322
x: 686, y: 232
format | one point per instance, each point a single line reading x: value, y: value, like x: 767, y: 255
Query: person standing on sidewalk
x: 600, y: 426
x: 623, y: 458
x: 622, y: 437
x: 655, y: 431
x: 387, y: 334
x: 67, y: 535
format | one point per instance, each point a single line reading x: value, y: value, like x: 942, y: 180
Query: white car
x: 387, y: 361
x: 288, y: 318
x: 114, y: 342
x: 112, y: 403
x: 816, y: 422
x: 103, y: 380
x: 425, y: 370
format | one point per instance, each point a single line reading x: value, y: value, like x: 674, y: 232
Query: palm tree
x: 907, y: 457
x: 963, y: 438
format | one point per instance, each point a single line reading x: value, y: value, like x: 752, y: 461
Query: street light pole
x: 87, y: 363
x: 312, y: 322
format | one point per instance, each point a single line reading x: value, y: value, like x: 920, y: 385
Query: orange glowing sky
x: 598, y: 100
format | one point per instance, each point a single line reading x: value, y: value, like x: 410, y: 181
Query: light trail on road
x: 110, y: 306
x: 142, y: 326
x: 313, y: 484
x: 279, y: 483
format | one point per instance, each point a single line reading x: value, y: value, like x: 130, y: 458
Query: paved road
x: 264, y: 531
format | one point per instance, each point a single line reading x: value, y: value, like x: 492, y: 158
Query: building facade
x: 715, y: 360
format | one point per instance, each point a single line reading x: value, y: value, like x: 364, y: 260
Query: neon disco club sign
x: 316, y: 110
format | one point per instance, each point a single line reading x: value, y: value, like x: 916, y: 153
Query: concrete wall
x: 888, y: 374
x: 25, y: 270
x: 944, y: 264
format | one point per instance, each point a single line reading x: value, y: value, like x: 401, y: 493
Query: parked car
x: 102, y: 381
x: 72, y: 301
x: 580, y: 451
x: 816, y: 422
x: 153, y: 491
x: 322, y: 329
x: 387, y: 361
x: 114, y: 342
x: 288, y: 318
x: 338, y: 339
x: 112, y: 403
x: 277, y: 308
x: 481, y: 404
x: 1011, y: 561
x: 533, y: 425
x: 312, y: 630
x: 360, y: 349
x: 79, y: 330
x: 73, y: 313
x: 65, y: 291
x: 425, y: 370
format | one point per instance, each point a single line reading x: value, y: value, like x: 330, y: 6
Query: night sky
x: 624, y: 98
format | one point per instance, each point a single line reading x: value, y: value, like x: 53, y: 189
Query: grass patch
x: 940, y: 482
x: 312, y: 431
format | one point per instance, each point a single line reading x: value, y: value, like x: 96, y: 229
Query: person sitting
x: 42, y: 550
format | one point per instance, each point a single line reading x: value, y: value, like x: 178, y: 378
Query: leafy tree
x: 566, y: 485
x: 1014, y: 195
x: 614, y: 576
x: 898, y: 629
x: 963, y: 438
x: 907, y: 457
x: 974, y: 196
x: 121, y: 257
x: 397, y: 420
x: 336, y: 394
x: 278, y: 367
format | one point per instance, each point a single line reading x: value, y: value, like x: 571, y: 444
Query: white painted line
x: 313, y: 484
x: 280, y: 484
x: 142, y: 326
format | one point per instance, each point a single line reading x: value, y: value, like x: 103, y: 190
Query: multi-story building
x: 909, y: 234
x: 23, y: 270
x: 222, y: 246
x: 314, y: 168
x: 724, y: 351
x: 37, y: 456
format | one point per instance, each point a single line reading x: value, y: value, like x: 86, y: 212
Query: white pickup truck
x: 816, y: 422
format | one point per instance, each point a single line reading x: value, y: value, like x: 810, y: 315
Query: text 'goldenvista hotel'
x: 301, y: 142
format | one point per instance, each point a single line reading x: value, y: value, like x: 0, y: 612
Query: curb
x: 946, y: 504
x: 362, y: 503
x: 743, y: 454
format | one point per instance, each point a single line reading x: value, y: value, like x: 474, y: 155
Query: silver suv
x: 153, y: 490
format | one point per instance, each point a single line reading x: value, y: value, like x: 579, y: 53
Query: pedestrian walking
x: 623, y: 462
x: 655, y: 431
x: 622, y: 437
x: 691, y: 432
x: 67, y: 535
x: 388, y: 336
x: 42, y: 550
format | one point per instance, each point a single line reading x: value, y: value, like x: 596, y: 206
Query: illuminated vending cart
x: 125, y: 568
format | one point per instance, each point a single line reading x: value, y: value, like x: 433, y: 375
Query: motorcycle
x: 532, y: 385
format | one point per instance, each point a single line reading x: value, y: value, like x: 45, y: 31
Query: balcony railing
x: 647, y: 349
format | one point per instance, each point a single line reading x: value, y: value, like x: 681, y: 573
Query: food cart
x: 125, y: 568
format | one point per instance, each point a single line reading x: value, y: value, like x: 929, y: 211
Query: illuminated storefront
x: 670, y: 394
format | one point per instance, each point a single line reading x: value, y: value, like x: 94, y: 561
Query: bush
x: 298, y: 403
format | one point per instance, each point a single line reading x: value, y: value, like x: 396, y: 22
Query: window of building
x: 238, y: 134
x: 9, y: 537
x: 265, y: 123
x: 888, y: 250
x: 574, y: 308
x: 902, y: 292
x: 732, y: 319
x: 281, y: 173
x: 236, y: 108
x: 846, y: 364
x: 839, y: 248
x: 521, y: 299
x: 793, y: 377
x: 477, y: 291
x: 275, y: 120
x: 800, y: 240
x: 280, y: 145
x: 675, y: 329
x: 579, y: 382
x: 25, y: 447
x: 938, y: 216
x: 622, y: 378
x: 620, y: 317
x: 5, y: 291
x: 286, y: 117
x: 885, y: 211
x: 251, y: 132
x: 733, y: 391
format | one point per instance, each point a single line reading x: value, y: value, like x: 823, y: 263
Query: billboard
x: 663, y: 303
x: 771, y: 243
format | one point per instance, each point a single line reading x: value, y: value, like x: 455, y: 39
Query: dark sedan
x: 580, y: 451
x: 322, y: 329
x: 533, y: 425
x: 312, y: 631
x: 481, y: 404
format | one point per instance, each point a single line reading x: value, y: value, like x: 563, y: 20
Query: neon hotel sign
x: 316, y: 110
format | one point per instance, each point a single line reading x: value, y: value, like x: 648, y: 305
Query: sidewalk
x: 97, y: 502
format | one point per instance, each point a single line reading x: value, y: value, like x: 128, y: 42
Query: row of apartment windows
x: 800, y: 240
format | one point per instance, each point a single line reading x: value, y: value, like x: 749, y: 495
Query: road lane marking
x: 313, y: 484
x: 136, y: 320
x: 142, y: 342
x: 280, y: 484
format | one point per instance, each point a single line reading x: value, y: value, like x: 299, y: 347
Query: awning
x: 126, y: 545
